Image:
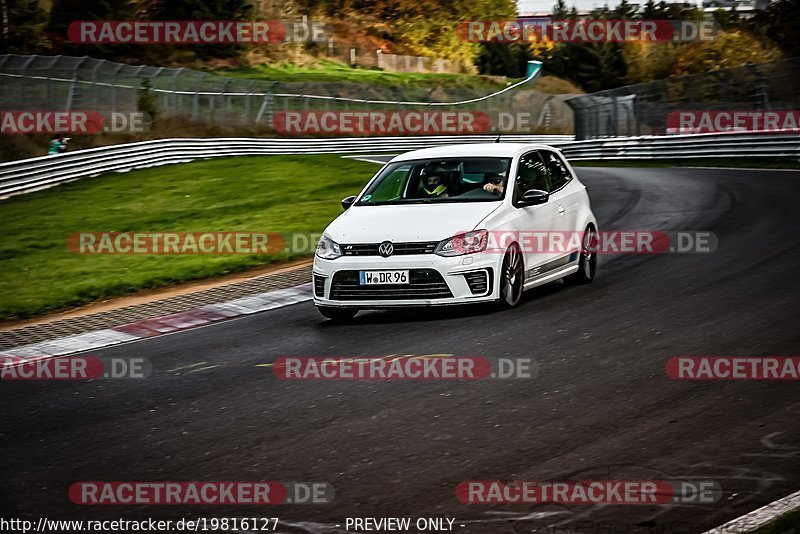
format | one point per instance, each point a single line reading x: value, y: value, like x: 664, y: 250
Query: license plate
x: 377, y: 278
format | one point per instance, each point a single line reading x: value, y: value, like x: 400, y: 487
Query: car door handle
x: 561, y: 209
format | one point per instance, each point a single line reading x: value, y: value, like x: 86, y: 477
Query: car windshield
x: 439, y: 180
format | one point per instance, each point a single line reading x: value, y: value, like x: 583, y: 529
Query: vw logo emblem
x: 385, y: 249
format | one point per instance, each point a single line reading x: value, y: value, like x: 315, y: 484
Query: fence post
x: 24, y: 83
x: 247, y: 102
x: 114, y: 89
x: 267, y: 108
x: 270, y: 109
x: 226, y: 102
x: 177, y: 101
x: 94, y: 83
x: 49, y: 85
x: 136, y: 88
x: 761, y: 93
x: 196, y: 101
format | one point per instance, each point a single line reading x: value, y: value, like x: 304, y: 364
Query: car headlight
x: 328, y: 249
x: 467, y: 243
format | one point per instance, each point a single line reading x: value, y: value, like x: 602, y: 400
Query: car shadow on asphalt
x: 444, y: 313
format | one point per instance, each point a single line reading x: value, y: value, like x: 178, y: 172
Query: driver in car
x: 433, y: 187
x: 494, y: 185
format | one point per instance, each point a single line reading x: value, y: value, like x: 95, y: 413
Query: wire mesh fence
x: 649, y: 108
x: 83, y: 83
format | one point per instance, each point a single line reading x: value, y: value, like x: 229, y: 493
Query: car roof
x: 497, y: 150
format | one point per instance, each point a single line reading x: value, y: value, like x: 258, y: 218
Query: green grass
x: 332, y: 71
x: 753, y: 163
x: 256, y: 194
x: 787, y: 524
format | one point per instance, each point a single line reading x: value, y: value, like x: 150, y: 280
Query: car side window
x: 531, y: 174
x: 559, y: 174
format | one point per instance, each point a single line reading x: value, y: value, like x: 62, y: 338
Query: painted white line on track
x: 760, y: 517
x: 186, y: 367
x: 203, y: 368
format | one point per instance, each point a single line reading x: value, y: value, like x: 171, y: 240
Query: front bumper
x: 335, y: 283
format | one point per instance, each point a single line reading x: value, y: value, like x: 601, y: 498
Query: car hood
x: 408, y: 223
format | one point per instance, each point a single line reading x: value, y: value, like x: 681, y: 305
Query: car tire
x: 512, y: 278
x: 587, y: 262
x: 337, y: 314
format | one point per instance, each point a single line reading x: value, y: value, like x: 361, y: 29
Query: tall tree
x: 780, y: 22
x: 560, y: 10
x: 21, y: 22
x: 64, y: 12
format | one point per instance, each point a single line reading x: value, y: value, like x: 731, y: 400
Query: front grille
x: 319, y: 285
x: 479, y: 282
x: 402, y: 249
x: 423, y: 284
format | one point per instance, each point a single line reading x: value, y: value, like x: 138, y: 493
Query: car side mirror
x: 534, y: 197
x: 348, y: 201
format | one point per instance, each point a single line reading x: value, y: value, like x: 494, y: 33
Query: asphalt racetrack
x: 600, y: 407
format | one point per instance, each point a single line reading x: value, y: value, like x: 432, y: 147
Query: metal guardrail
x: 714, y: 145
x: 35, y: 173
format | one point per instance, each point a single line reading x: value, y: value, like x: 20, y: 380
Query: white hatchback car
x: 442, y: 226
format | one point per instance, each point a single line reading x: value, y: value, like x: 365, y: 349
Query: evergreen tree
x: 21, y: 22
x: 560, y: 11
